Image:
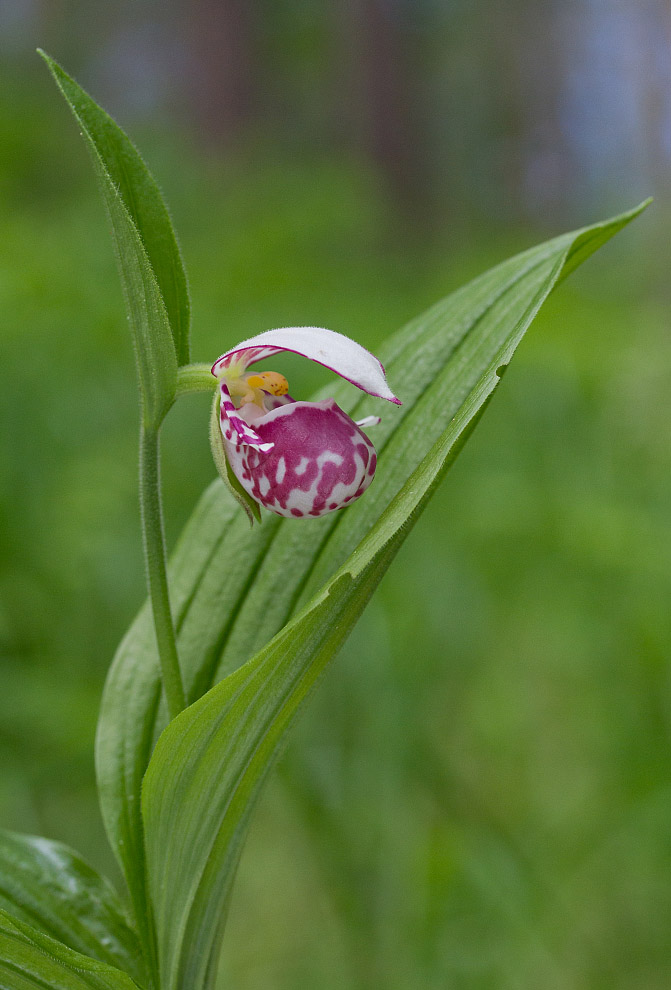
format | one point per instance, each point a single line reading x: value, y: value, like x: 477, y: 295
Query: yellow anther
x: 270, y: 381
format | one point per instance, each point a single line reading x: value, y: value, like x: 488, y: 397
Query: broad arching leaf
x: 233, y: 589
x: 210, y: 762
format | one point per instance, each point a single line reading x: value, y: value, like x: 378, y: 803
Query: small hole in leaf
x: 500, y: 370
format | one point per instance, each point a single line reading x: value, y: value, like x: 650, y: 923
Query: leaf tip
x: 45, y: 57
x: 636, y: 210
x: 52, y: 65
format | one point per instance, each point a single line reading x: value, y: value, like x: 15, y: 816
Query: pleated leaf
x: 234, y: 588
x: 30, y: 960
x: 49, y: 887
x: 210, y: 762
x: 151, y: 273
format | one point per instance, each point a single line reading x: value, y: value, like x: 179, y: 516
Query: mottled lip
x: 287, y: 409
x: 318, y: 460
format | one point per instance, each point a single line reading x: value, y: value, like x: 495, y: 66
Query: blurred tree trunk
x: 379, y: 77
x: 223, y: 65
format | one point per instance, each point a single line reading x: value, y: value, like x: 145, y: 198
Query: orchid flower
x: 295, y: 458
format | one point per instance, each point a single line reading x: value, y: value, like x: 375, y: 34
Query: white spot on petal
x: 281, y: 471
x: 302, y: 465
x: 329, y: 457
x: 264, y: 485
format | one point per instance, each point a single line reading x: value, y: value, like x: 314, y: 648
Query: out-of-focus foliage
x: 533, y: 108
x: 501, y: 820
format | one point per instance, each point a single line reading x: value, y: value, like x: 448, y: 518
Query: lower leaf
x: 30, y: 960
x: 48, y: 886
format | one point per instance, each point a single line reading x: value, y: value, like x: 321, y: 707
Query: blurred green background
x: 479, y: 795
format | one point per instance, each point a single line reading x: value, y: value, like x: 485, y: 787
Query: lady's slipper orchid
x: 296, y: 458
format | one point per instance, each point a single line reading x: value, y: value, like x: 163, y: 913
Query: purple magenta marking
x: 334, y: 456
x: 229, y: 415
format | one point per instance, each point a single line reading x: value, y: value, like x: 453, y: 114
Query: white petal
x: 335, y: 351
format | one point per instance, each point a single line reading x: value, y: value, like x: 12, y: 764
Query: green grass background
x: 479, y: 795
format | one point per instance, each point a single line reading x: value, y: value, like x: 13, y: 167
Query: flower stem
x: 195, y: 378
x: 155, y: 562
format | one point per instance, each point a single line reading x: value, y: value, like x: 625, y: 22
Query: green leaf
x: 233, y: 588
x: 30, y: 960
x: 48, y: 886
x: 151, y: 272
x: 210, y: 762
x: 142, y: 198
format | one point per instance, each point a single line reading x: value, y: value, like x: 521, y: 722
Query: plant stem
x: 157, y: 577
x: 195, y: 378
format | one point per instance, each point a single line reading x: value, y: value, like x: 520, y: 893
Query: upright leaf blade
x: 225, y: 614
x: 210, y: 762
x: 142, y: 198
x: 30, y: 960
x: 49, y: 887
x: 127, y: 192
